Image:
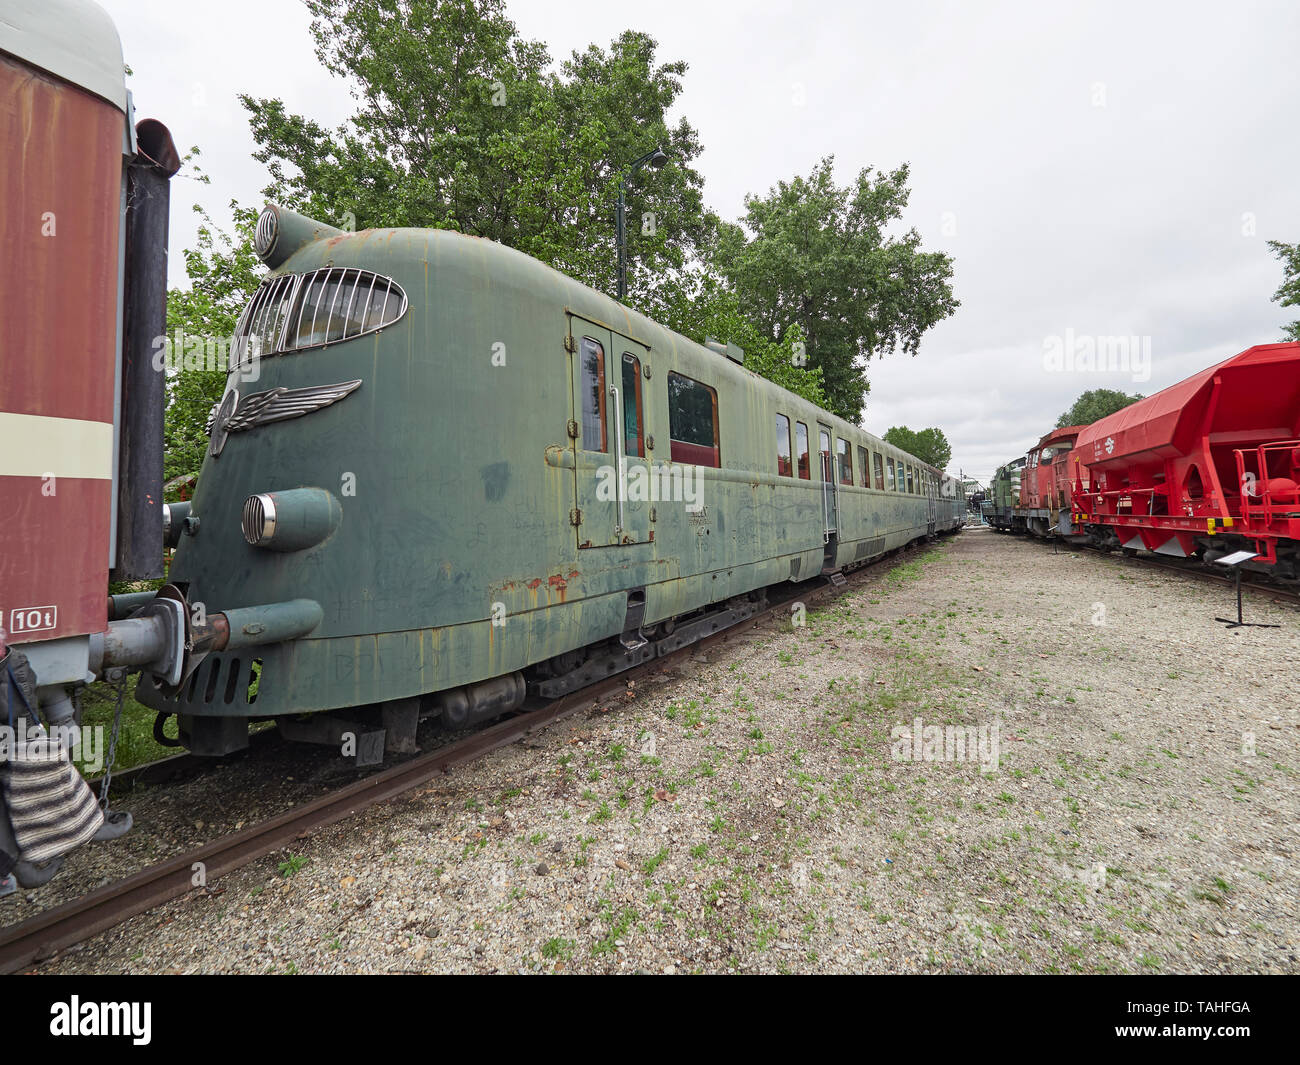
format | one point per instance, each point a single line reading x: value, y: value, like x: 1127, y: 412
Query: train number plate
x: 25, y: 619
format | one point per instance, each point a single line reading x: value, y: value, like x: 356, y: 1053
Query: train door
x: 829, y: 500
x: 931, y: 501
x: 613, y: 492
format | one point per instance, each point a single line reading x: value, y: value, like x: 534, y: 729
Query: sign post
x: 1235, y: 560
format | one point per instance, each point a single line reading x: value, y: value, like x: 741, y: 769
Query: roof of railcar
x: 1152, y: 422
x: 72, y: 39
x: 432, y: 248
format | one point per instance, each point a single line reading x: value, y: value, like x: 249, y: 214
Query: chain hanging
x: 107, y: 778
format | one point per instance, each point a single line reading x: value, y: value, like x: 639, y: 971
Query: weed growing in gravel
x: 558, y: 949
x: 291, y: 865
x: 617, y: 926
x: 651, y: 864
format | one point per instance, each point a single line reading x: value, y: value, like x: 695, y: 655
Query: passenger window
x: 910, y: 486
x: 879, y: 460
x: 865, y: 466
x: 801, y: 450
x: 633, y: 427
x: 593, y: 395
x: 845, y: 453
x: 824, y: 447
x: 693, y: 421
x: 890, y: 462
x: 784, y: 466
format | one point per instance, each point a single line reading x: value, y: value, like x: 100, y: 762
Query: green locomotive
x: 1004, y: 497
x: 444, y: 475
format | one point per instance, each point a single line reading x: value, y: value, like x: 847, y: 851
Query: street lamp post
x: 656, y: 159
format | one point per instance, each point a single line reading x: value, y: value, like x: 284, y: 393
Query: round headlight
x: 268, y: 229
x: 258, y: 519
x: 291, y: 520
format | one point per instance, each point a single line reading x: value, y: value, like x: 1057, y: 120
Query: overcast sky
x: 1095, y: 169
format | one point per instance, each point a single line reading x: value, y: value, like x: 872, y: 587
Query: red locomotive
x: 1204, y: 468
x: 1046, y: 484
x: 1034, y: 493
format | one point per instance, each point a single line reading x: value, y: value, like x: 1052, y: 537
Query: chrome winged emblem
x: 234, y: 415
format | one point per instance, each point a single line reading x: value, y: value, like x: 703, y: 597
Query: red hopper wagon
x: 1204, y: 468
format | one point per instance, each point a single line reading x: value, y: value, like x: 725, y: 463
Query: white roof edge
x: 72, y: 39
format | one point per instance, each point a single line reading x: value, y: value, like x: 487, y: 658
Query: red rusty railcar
x: 1046, y: 486
x: 83, y: 257
x: 1203, y: 468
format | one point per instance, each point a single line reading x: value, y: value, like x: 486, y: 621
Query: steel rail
x: 44, y: 935
x: 1196, y: 569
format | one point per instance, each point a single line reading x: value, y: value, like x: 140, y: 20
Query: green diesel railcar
x: 440, y: 463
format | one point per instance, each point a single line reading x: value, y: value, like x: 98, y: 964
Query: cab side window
x: 801, y: 451
x: 592, y: 355
x: 633, y: 426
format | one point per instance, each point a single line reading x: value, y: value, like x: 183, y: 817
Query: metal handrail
x: 1265, y: 508
x: 619, y: 454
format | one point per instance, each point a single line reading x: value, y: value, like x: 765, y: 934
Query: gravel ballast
x: 758, y: 808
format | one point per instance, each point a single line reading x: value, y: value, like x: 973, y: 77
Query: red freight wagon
x: 1205, y: 467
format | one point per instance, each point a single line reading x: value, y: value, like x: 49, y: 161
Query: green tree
x: 223, y: 270
x: 1094, y: 405
x: 1288, y: 293
x: 817, y: 256
x: 928, y: 445
x: 700, y: 305
x: 461, y: 124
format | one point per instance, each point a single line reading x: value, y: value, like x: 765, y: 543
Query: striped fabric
x: 51, y: 807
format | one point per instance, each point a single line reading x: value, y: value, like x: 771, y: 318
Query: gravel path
x: 754, y: 810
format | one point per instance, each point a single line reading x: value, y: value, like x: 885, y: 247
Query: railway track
x: 178, y: 766
x: 1266, y: 589
x: 43, y: 936
x: 1195, y: 569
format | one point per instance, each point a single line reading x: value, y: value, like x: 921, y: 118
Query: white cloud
x: 1119, y: 219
